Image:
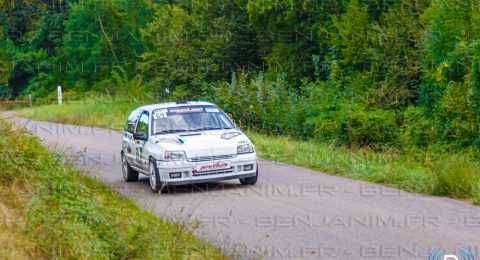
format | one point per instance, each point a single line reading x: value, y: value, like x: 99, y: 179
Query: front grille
x: 211, y: 158
x: 222, y: 171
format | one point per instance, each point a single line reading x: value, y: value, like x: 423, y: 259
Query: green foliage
x: 319, y: 113
x: 450, y: 90
x: 356, y: 126
x: 101, y: 36
x: 352, y: 38
x: 419, y: 171
x: 75, y: 44
x: 272, y: 108
x: 290, y: 33
x: 457, y: 177
x: 35, y: 33
x: 189, y: 45
x: 417, y: 129
x: 71, y: 216
x: 7, y: 53
x: 361, y: 73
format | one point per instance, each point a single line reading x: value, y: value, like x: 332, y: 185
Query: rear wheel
x: 129, y: 174
x: 250, y: 180
x: 154, y: 177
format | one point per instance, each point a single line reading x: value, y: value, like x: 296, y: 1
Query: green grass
x: 419, y: 171
x: 101, y: 112
x: 52, y: 211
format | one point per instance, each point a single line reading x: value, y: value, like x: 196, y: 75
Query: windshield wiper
x: 212, y: 128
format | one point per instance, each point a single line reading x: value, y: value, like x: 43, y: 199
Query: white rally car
x: 186, y: 143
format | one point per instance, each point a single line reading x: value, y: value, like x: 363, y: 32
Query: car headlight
x: 245, y: 148
x: 175, y: 155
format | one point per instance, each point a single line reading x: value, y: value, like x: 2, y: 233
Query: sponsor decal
x: 230, y: 135
x: 212, y: 110
x: 211, y: 167
x: 185, y: 110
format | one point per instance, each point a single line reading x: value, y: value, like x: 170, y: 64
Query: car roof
x: 152, y: 107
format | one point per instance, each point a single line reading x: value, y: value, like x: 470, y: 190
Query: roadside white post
x: 59, y: 90
x: 167, y: 91
x: 30, y: 99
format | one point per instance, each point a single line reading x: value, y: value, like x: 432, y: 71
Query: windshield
x: 189, y: 118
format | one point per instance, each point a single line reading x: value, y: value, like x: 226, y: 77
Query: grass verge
x: 52, y: 211
x: 420, y: 171
x: 417, y: 171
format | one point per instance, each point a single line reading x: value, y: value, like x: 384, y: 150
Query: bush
x: 417, y: 129
x: 266, y: 105
x: 370, y: 127
x: 357, y: 126
x: 272, y: 106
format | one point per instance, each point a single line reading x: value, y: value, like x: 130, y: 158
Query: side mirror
x: 140, y: 136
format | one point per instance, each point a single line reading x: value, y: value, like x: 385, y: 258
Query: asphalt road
x: 292, y: 212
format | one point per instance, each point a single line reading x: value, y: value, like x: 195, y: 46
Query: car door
x: 140, y: 154
x: 128, y: 144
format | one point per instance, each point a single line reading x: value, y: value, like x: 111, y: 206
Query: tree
x: 7, y: 52
x: 191, y: 45
x: 100, y: 36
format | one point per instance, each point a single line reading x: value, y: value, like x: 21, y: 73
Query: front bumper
x: 189, y: 176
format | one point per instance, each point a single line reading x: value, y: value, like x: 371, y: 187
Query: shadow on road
x: 210, y: 188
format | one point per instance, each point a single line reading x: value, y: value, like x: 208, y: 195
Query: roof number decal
x: 159, y: 113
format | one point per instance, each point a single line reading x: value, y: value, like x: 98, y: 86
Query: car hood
x: 206, y: 143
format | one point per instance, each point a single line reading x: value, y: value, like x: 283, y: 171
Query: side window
x: 142, y: 126
x: 132, y: 121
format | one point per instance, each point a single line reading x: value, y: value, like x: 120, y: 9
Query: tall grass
x: 99, y: 111
x: 48, y: 210
x: 416, y: 170
x: 458, y: 176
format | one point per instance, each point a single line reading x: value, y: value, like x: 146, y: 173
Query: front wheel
x: 129, y: 174
x: 250, y: 180
x: 154, y: 177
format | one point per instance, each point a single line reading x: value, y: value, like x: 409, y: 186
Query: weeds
x: 457, y: 176
x: 61, y: 213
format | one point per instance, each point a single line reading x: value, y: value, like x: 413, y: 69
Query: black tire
x: 250, y: 180
x: 154, y: 178
x: 129, y: 174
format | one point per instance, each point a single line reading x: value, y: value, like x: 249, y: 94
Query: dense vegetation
x: 376, y: 73
x: 52, y: 211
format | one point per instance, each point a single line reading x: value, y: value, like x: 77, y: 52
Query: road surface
x: 292, y: 212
